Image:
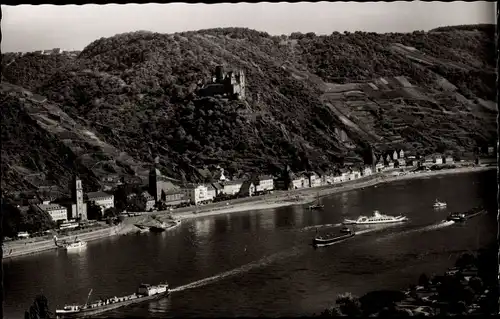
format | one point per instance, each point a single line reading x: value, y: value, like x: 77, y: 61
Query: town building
x: 78, y: 208
x: 401, y: 162
x: 449, y: 160
x: 379, y: 167
x: 55, y: 211
x: 344, y: 174
x: 174, y: 197
x: 264, y: 183
x: 247, y: 189
x: 101, y: 199
x: 159, y: 184
x: 218, y: 188
x: 211, y: 193
x: 394, y: 155
x: 355, y: 173
x: 314, y: 179
x: 232, y: 187
x: 367, y: 171
x: 146, y: 202
x: 401, y: 154
x: 438, y: 159
x: 197, y: 194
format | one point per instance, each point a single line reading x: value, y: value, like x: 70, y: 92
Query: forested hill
x: 421, y: 91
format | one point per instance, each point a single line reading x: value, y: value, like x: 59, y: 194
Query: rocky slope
x: 312, y: 102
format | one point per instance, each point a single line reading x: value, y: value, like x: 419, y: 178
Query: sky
x: 70, y: 27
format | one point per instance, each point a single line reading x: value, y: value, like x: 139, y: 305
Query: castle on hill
x: 226, y: 83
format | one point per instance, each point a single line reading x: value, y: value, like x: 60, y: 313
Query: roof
x: 92, y: 195
x: 233, y: 182
x: 218, y: 186
x: 50, y: 207
x: 344, y: 170
x: 146, y: 195
x: 209, y: 186
x: 264, y: 177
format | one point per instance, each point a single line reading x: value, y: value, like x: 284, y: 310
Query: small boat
x: 456, y: 217
x: 317, y: 205
x: 159, y: 228
x: 377, y: 218
x: 330, y: 239
x: 76, y: 245
x: 144, y: 292
x: 438, y: 204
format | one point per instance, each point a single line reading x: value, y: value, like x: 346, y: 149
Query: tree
x: 110, y: 212
x: 465, y: 260
x: 423, y: 280
x: 476, y: 284
x: 39, y: 309
x: 349, y: 305
x: 94, y: 211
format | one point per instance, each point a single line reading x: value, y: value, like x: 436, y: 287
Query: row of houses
x: 64, y: 210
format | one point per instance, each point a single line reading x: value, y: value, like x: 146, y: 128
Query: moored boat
x: 76, y: 245
x: 438, y: 204
x: 346, y: 230
x: 317, y: 205
x: 144, y: 292
x: 377, y: 218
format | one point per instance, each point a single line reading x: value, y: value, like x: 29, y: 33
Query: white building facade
x: 102, y: 199
x: 197, y: 194
x: 55, y: 211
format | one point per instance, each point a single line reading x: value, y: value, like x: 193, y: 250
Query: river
x: 260, y: 263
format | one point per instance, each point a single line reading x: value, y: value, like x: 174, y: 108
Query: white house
x: 211, y: 192
x: 300, y: 181
x: 449, y: 160
x: 327, y: 179
x: 438, y: 159
x: 231, y: 187
x: 401, y: 162
x: 101, y: 199
x: 401, y: 154
x: 355, y: 174
x: 264, y: 183
x: 196, y: 194
x: 55, y: 211
x: 146, y: 202
x: 379, y: 167
x: 394, y: 156
x: 344, y: 174
x: 314, y: 180
x: 367, y: 171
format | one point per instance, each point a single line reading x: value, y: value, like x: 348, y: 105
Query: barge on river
x: 145, y: 292
x: 330, y: 239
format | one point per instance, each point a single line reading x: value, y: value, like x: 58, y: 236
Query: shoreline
x: 309, y: 195
x: 281, y: 199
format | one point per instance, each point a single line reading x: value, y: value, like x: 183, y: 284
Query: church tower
x: 79, y: 208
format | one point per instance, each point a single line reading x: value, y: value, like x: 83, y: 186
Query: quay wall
x: 25, y: 247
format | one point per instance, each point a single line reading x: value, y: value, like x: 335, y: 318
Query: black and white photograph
x: 309, y: 159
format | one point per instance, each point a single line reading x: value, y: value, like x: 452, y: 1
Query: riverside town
x: 339, y: 163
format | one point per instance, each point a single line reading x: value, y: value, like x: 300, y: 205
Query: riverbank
x: 309, y: 195
x: 278, y: 199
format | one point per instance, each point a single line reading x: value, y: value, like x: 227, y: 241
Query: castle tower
x: 219, y: 73
x: 79, y: 208
x: 242, y: 82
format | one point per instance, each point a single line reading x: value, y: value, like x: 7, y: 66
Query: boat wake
x: 441, y: 224
x: 307, y: 228
x: 245, y: 268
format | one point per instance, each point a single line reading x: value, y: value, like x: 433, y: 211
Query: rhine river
x: 260, y: 263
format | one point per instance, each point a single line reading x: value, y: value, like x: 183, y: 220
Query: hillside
x: 136, y: 93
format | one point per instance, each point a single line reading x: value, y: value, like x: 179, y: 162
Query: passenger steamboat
x: 377, y: 218
x: 144, y: 292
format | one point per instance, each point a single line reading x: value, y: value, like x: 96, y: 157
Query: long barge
x: 327, y: 240
x: 144, y: 293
